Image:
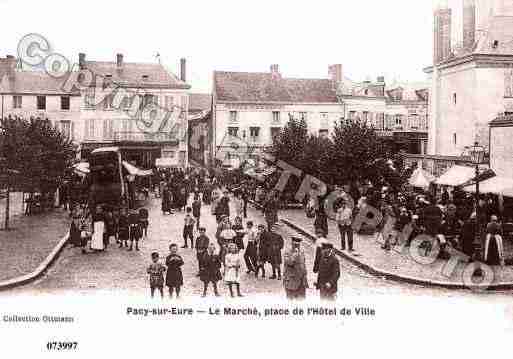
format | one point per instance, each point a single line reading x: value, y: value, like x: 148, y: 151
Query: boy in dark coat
x: 123, y: 228
x: 210, y: 270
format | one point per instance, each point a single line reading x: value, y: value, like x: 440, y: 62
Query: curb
x: 392, y: 276
x: 39, y: 271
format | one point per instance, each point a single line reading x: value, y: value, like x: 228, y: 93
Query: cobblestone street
x: 122, y: 271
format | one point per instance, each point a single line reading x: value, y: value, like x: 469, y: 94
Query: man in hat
x: 294, y: 274
x: 275, y: 248
x: 328, y: 273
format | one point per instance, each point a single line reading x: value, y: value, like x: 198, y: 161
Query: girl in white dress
x: 232, y: 267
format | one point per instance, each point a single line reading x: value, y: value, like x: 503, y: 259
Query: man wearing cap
x: 328, y: 273
x: 294, y: 274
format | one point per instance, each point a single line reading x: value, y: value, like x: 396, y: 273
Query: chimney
x: 119, y: 60
x: 442, y: 34
x: 335, y: 72
x: 81, y: 60
x: 469, y: 24
x: 275, y: 71
x: 183, y: 72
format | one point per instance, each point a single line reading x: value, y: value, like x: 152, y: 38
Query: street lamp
x: 477, y: 153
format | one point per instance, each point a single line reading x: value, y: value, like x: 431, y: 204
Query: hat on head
x: 296, y: 240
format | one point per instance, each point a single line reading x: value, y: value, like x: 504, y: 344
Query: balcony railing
x: 406, y: 124
x: 145, y: 136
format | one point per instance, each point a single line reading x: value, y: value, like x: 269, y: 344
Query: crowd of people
x: 238, y: 244
x: 450, y: 218
x: 258, y: 247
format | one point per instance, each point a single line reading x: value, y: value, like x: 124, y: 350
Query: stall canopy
x: 81, y: 168
x: 495, y: 185
x: 260, y: 173
x: 134, y: 171
x: 167, y: 162
x: 456, y: 176
x: 420, y: 178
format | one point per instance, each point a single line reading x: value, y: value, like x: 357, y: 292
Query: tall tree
x: 37, y: 151
x: 358, y: 155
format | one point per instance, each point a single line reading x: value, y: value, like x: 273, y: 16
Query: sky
x: 369, y: 38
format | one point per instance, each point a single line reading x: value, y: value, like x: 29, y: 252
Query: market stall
x: 456, y: 176
x: 420, y: 178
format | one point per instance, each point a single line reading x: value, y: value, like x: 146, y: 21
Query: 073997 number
x: 61, y: 345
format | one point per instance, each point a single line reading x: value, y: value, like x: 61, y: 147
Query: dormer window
x: 495, y: 44
x: 145, y: 77
x: 109, y: 76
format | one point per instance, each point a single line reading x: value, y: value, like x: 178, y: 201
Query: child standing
x: 135, y: 230
x: 232, y: 264
x: 196, y: 209
x: 174, y: 277
x: 210, y: 270
x: 202, y: 243
x: 123, y: 228
x: 110, y: 228
x: 156, y: 271
x: 188, y: 228
x: 144, y: 222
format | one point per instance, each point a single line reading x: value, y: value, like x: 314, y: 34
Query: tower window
x: 454, y: 98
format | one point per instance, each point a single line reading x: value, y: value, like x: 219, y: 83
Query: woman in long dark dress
x: 166, y: 199
x: 321, y: 219
x: 174, y: 277
x: 493, y: 245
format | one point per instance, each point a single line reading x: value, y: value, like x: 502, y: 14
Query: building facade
x: 140, y: 107
x: 249, y: 109
x: 471, y: 80
x: 35, y: 94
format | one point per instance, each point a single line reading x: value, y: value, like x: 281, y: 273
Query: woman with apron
x: 98, y: 229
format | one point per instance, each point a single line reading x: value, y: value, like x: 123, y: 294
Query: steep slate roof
x: 264, y: 87
x: 34, y: 83
x: 131, y: 74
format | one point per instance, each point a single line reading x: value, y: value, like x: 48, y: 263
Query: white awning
x: 134, y: 171
x: 495, y: 185
x: 456, y: 176
x: 421, y: 178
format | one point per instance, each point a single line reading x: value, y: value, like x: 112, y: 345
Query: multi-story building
x: 97, y: 116
x: 249, y: 109
x: 472, y: 74
x: 35, y: 94
x: 107, y: 119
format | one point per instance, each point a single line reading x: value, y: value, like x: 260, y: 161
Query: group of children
x: 98, y: 228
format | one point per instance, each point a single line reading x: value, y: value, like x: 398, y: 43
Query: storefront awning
x: 495, y: 185
x: 456, y: 176
x: 421, y: 178
x: 134, y: 171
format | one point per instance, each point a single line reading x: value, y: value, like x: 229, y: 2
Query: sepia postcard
x: 256, y: 178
